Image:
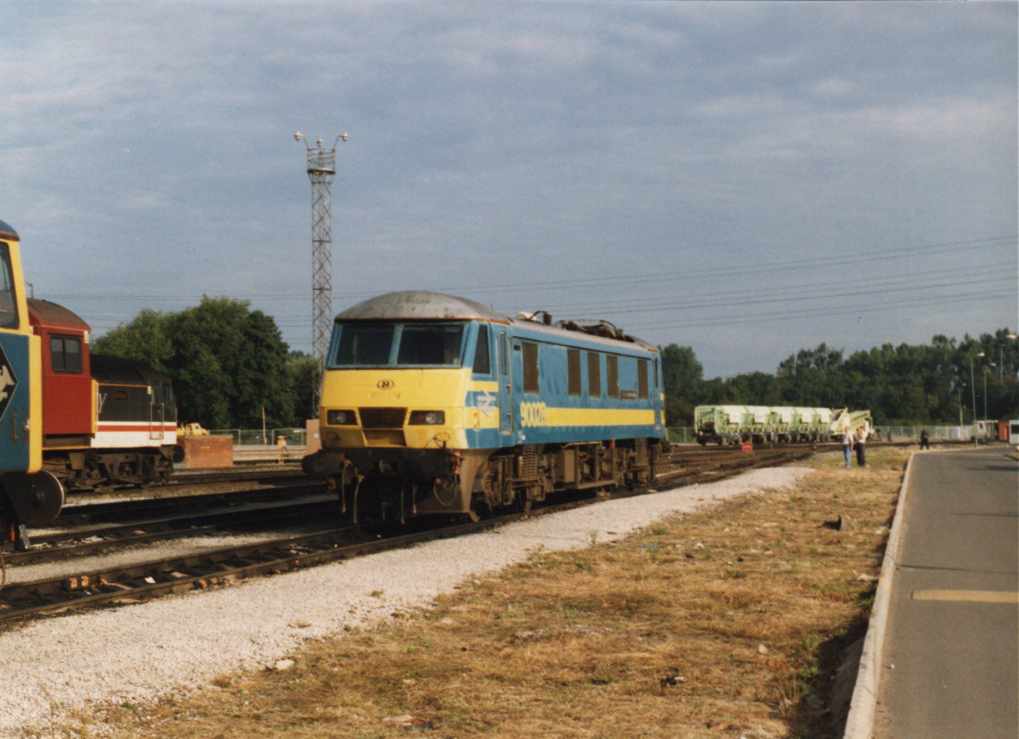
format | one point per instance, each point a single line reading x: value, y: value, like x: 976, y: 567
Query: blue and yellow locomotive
x: 433, y: 404
x: 29, y: 496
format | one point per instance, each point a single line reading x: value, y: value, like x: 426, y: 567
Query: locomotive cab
x: 393, y: 407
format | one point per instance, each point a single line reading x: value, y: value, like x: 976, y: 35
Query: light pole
x: 973, y: 393
x: 1001, y: 370
x: 321, y: 167
x: 987, y: 368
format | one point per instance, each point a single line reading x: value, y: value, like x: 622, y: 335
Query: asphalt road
x: 951, y: 656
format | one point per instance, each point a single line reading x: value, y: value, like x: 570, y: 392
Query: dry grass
x: 719, y: 623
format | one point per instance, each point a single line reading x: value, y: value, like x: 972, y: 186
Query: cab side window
x: 8, y: 298
x: 65, y: 353
x: 594, y: 374
x: 612, y: 364
x: 573, y: 371
x: 482, y: 355
x: 530, y: 367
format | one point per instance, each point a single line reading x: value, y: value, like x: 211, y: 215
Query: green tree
x: 682, y: 375
x: 230, y: 363
x: 227, y: 362
x: 147, y: 338
x: 304, y: 375
x: 907, y: 384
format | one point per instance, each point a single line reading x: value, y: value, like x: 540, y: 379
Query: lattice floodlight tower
x: 321, y: 169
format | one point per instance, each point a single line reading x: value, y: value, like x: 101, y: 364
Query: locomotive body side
x: 135, y: 424
x: 552, y: 399
x: 434, y: 404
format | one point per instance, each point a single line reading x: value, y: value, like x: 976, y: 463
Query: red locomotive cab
x: 68, y: 405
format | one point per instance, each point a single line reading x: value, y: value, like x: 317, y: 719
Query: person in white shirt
x: 861, y: 443
x: 847, y: 448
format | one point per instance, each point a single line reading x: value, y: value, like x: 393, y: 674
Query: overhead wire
x: 810, y: 293
x: 828, y: 311
x: 598, y: 282
x: 712, y: 299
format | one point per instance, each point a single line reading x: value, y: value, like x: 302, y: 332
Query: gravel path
x: 139, y: 652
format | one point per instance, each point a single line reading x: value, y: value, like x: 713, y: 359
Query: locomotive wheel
x: 37, y: 499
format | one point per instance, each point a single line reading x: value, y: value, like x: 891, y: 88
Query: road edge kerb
x: 863, y: 706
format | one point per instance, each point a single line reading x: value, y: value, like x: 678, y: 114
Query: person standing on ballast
x: 861, y: 444
x: 847, y: 447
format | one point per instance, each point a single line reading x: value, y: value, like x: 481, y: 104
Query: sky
x: 746, y: 179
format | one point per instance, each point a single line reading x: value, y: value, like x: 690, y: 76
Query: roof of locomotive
x: 630, y: 343
x: 7, y: 231
x: 414, y: 305
x: 53, y: 315
x: 422, y: 305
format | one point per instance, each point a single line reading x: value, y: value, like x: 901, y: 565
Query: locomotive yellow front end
x: 392, y: 415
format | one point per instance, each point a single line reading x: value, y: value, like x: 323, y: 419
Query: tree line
x: 905, y: 384
x: 229, y: 363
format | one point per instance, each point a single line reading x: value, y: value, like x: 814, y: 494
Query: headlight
x: 427, y: 418
x: 341, y: 418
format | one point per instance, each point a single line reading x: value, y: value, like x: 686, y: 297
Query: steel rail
x: 78, y: 543
x: 124, y: 510
x: 207, y: 477
x: 186, y: 479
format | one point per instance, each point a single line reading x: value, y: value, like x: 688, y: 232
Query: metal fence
x: 682, y: 435
x: 252, y: 437
x: 936, y: 433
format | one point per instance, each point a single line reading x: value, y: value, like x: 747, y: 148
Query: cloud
x: 834, y: 87
x: 566, y: 141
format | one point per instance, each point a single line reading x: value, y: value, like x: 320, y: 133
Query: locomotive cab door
x: 15, y: 442
x: 505, y: 385
x: 157, y: 413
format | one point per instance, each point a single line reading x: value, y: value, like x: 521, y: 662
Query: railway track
x: 206, y: 477
x: 80, y: 542
x: 128, y: 510
x: 281, y: 475
x: 221, y: 567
